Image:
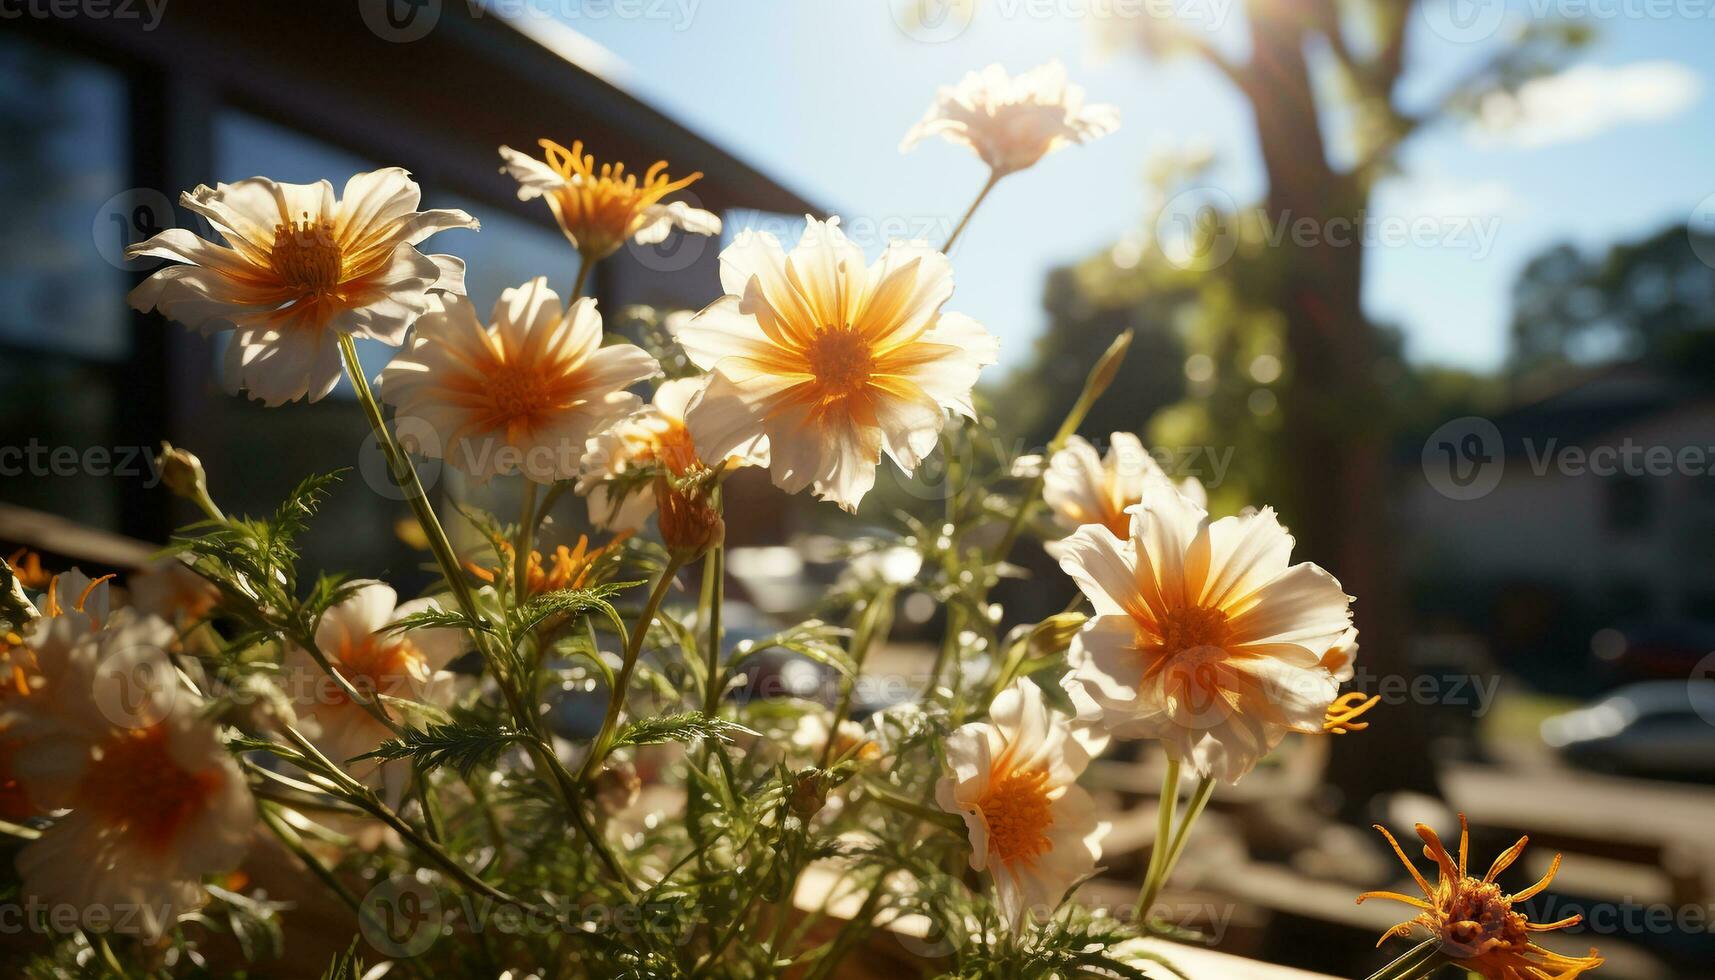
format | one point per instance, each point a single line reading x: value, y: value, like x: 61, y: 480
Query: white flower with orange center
x: 1013, y: 780
x: 1204, y: 637
x: 835, y: 361
x: 155, y: 801
x: 300, y: 267
x: 405, y: 664
x: 1013, y: 121
x: 654, y: 436
x: 520, y: 396
x: 600, y: 209
x: 1082, y: 486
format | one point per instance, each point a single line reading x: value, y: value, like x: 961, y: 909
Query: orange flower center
x: 841, y: 361
x: 516, y: 393
x: 379, y: 665
x: 1191, y: 628
x: 1016, y: 807
x: 306, y: 256
x: 135, y: 784
x: 1478, y: 917
x: 602, y: 207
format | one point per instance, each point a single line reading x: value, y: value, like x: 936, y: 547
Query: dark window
x: 1629, y: 503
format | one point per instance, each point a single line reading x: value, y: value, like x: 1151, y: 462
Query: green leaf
x: 461, y: 744
x: 812, y: 638
x: 566, y: 601
x: 682, y: 727
x: 437, y: 619
x: 345, y: 966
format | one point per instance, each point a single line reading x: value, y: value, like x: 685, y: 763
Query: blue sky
x: 819, y: 92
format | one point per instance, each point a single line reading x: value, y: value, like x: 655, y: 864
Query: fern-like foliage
x: 682, y: 727
x: 464, y: 745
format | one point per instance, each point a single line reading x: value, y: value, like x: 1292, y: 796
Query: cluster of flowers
x: 815, y: 363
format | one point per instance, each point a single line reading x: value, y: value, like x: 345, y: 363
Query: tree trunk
x: 1336, y: 430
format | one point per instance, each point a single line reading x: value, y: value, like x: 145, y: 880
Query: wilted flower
x: 1013, y: 780
x: 1475, y: 922
x: 601, y: 209
x: 1204, y: 636
x: 833, y: 360
x: 299, y: 268
x: 521, y: 396
x: 1013, y: 121
x: 690, y: 524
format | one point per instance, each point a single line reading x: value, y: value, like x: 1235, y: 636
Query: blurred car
x: 1663, y: 650
x: 1658, y: 729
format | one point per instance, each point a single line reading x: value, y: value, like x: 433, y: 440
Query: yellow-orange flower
x: 833, y: 359
x: 520, y: 396
x: 600, y: 209
x: 565, y: 568
x: 300, y: 267
x: 1205, y: 635
x: 1475, y: 922
x: 1013, y: 780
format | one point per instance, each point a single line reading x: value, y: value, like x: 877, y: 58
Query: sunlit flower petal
x: 600, y: 209
x: 1013, y: 121
x: 1012, y: 780
x: 834, y: 360
x: 299, y: 267
x: 1205, y: 637
x: 520, y: 396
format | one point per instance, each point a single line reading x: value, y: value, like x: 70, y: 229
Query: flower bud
x: 617, y: 786
x: 1055, y: 633
x: 182, y: 473
x: 809, y: 792
x: 689, y: 525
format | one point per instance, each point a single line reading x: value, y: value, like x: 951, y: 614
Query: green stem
x: 365, y: 798
x: 949, y: 644
x: 1152, y: 879
x: 994, y: 178
x: 522, y: 543
x: 633, y: 648
x: 889, y: 798
x: 1193, y: 810
x: 1100, y: 377
x: 405, y: 477
x: 585, y: 264
x: 714, y: 589
x: 871, y: 625
x: 1415, y: 963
